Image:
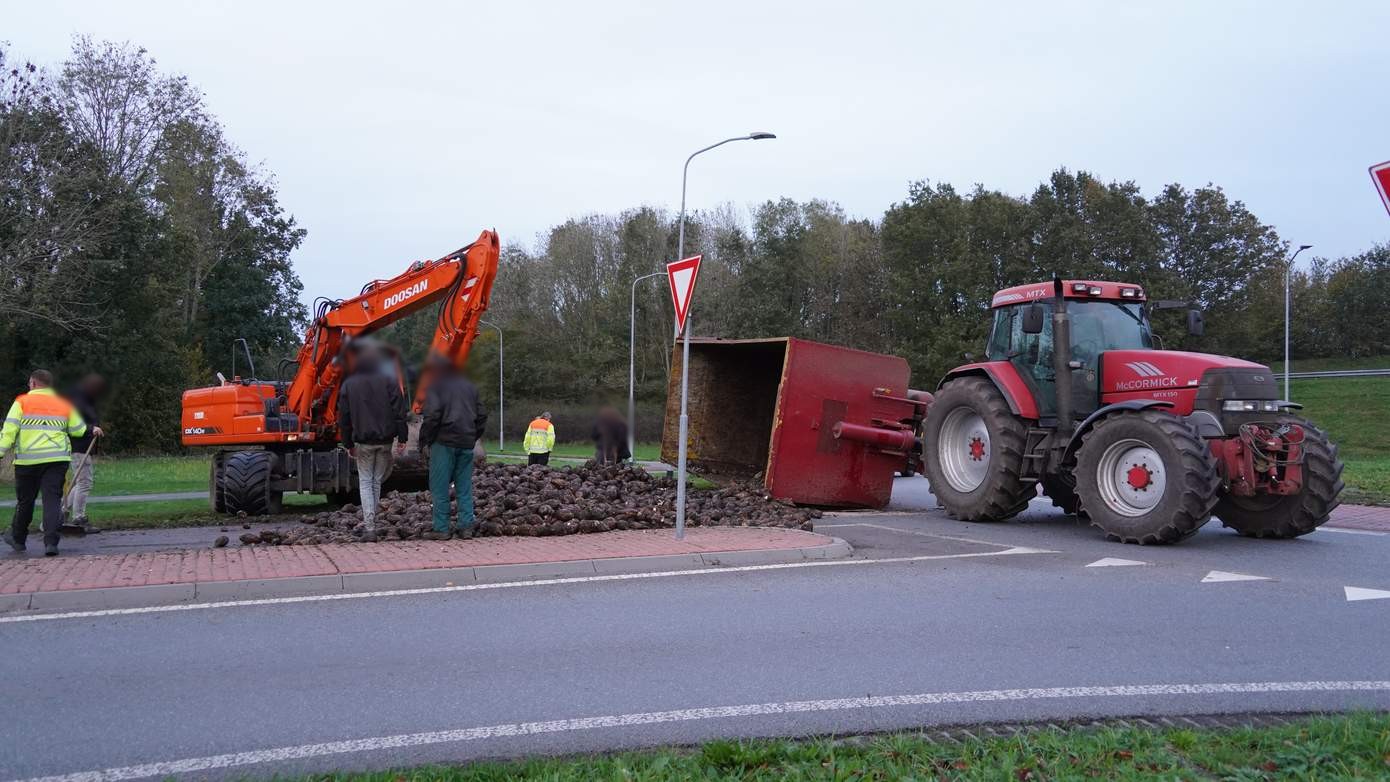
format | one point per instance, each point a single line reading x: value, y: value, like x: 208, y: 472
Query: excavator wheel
x: 1291, y: 515
x: 974, y: 452
x: 1146, y: 477
x: 246, y: 479
x: 215, y: 484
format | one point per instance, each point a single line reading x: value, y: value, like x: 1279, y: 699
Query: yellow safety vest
x: 540, y: 437
x: 39, y: 427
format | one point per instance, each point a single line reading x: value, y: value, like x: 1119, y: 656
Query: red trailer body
x: 819, y: 424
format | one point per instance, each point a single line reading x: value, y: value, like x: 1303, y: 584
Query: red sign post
x: 682, y: 275
x: 1381, y: 175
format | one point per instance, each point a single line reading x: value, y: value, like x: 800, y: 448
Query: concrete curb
x: 223, y: 591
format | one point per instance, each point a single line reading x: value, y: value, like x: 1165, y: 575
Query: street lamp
x: 501, y: 398
x: 632, y: 364
x: 1288, y: 271
x: 685, y: 349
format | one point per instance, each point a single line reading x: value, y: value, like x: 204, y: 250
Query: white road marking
x: 1362, y: 593
x: 1216, y: 576
x: 1346, y: 531
x: 509, y: 585
x: 958, y: 538
x: 1115, y: 562
x: 281, y: 754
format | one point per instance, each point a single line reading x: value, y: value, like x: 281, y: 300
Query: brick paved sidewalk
x: 1367, y: 517
x: 32, y: 574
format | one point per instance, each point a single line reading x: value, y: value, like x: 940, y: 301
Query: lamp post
x: 632, y: 364
x: 685, y: 348
x: 1288, y: 272
x: 501, y: 389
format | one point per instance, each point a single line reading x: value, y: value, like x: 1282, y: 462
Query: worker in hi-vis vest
x: 540, y: 440
x: 39, y: 427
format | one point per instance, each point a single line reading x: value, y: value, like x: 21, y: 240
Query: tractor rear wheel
x: 1146, y: 477
x: 1291, y: 515
x: 246, y: 479
x: 974, y: 452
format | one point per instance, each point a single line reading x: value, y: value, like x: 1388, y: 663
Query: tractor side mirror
x: 1196, y: 326
x: 1033, y: 319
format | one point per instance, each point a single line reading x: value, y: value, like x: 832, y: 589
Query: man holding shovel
x: 85, y: 396
x: 39, y: 427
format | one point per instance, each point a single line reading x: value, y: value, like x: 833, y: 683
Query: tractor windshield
x: 1098, y: 326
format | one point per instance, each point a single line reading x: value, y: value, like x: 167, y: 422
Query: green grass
x: 1352, y: 747
x: 1335, y: 363
x: 642, y: 452
x: 142, y: 475
x: 1355, y: 411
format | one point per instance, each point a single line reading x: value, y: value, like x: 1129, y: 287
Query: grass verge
x: 1355, y: 412
x: 1355, y: 746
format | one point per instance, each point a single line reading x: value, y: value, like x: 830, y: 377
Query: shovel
x: 68, y: 528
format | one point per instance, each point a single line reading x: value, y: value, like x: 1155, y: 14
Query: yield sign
x: 1381, y: 175
x: 681, y: 274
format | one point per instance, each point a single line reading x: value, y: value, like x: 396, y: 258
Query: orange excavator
x: 274, y: 436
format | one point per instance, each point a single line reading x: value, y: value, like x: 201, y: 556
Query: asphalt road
x: 935, y: 622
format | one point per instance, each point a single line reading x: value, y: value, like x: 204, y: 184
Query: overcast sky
x: 397, y: 131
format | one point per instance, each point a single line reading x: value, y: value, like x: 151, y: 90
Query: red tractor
x: 1147, y: 444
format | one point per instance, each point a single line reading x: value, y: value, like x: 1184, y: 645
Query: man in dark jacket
x: 85, y: 396
x: 451, y: 423
x: 371, y: 413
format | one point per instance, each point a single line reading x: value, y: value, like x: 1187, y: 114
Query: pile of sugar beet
x: 514, y: 499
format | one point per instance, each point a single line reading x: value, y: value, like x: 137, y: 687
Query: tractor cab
x: 1104, y: 317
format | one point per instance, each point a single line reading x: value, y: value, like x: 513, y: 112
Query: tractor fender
x: 1005, y: 377
x: 1085, y: 426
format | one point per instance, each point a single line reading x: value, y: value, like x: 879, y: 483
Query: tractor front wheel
x: 974, y: 452
x: 1291, y: 515
x: 1146, y: 477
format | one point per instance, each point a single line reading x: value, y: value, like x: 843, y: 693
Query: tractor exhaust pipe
x: 1061, y: 362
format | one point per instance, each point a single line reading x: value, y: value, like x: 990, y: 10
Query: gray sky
x: 399, y: 130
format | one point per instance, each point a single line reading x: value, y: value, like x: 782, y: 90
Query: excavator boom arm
x: 460, y: 281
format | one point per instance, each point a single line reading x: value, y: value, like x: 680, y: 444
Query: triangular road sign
x: 1221, y: 575
x: 681, y: 275
x: 1381, y: 175
x: 1115, y: 562
x: 1362, y: 593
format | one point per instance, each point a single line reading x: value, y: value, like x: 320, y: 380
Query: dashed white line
x: 1116, y: 562
x: 304, y: 751
x: 1217, y: 576
x: 1362, y: 593
x: 268, y: 601
x: 1345, y: 531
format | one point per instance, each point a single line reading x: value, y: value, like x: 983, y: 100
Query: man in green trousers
x: 451, y: 423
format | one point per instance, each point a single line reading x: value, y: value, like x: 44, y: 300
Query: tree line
x: 136, y: 241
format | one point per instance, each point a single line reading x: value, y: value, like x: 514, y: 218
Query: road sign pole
x: 685, y: 421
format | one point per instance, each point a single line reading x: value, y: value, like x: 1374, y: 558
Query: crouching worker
x: 371, y: 413
x: 39, y: 428
x: 450, y: 425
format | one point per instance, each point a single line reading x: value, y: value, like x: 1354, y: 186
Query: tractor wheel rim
x: 1131, y: 478
x: 964, y: 449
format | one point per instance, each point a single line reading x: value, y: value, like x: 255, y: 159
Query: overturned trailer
x: 818, y: 424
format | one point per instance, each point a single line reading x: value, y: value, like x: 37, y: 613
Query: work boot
x: 50, y: 549
x: 370, y: 536
x: 17, y: 545
x: 465, y: 533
